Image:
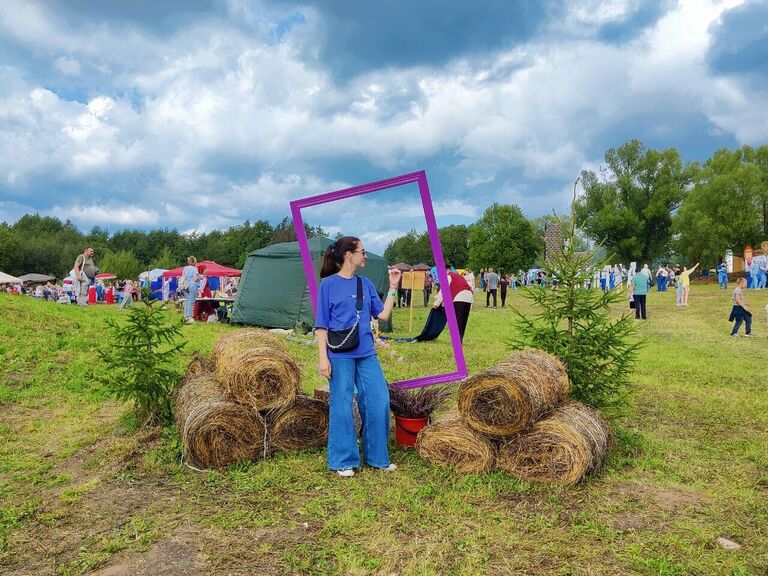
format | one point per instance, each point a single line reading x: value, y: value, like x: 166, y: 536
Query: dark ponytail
x: 333, y: 257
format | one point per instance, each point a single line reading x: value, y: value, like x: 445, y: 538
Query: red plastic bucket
x: 406, y: 429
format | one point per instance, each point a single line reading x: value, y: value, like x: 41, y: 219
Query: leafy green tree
x: 139, y: 361
x: 411, y: 248
x: 285, y: 231
x: 576, y: 324
x: 503, y: 239
x: 165, y: 260
x: 10, y: 256
x: 122, y: 264
x: 37, y: 226
x: 759, y: 157
x: 725, y: 208
x: 630, y: 208
x: 455, y: 243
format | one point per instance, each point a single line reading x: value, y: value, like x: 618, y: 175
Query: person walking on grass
x: 190, y: 282
x: 661, y: 278
x: 492, y: 284
x: 740, y: 311
x: 640, y: 285
x: 722, y: 275
x: 350, y: 364
x: 685, y: 283
x: 503, y: 284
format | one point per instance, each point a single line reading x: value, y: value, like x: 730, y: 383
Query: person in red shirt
x: 462, y: 298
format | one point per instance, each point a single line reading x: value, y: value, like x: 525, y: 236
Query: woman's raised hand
x: 394, y: 277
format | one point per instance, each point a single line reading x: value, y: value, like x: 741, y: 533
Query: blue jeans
x: 373, y: 402
x: 189, y: 303
x: 722, y: 280
x: 761, y: 281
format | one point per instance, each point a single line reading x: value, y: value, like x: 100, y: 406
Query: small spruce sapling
x: 140, y: 357
x: 576, y: 324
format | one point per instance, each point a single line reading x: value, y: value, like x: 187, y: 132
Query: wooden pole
x: 410, y: 313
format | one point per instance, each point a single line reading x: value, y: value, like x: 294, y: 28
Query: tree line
x: 642, y: 205
x: 46, y: 245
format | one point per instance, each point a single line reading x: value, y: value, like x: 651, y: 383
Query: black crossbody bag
x: 349, y: 338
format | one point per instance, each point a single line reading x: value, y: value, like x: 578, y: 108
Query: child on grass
x: 740, y: 311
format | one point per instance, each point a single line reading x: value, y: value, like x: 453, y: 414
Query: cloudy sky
x: 200, y: 114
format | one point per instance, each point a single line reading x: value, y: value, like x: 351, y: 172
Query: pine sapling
x: 139, y: 361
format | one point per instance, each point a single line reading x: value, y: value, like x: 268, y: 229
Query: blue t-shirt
x: 336, y: 311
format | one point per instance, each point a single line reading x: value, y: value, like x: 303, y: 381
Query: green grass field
x: 83, y: 491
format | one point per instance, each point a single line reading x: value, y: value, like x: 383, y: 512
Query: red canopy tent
x: 211, y: 269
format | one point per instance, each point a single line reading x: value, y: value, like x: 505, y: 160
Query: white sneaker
x: 346, y: 473
x: 390, y: 468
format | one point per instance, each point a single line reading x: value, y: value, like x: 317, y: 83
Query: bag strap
x: 359, y: 303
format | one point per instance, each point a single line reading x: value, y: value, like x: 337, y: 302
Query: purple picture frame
x: 420, y: 178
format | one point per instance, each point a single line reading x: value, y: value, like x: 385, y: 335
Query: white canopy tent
x: 8, y: 279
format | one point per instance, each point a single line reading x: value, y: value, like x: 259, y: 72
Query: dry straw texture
x: 214, y: 430
x: 562, y: 448
x: 302, y: 425
x: 450, y: 442
x: 252, y: 337
x: 199, y: 365
x: 510, y: 396
x: 256, y: 370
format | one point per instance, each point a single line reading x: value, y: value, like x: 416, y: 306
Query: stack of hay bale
x: 245, y: 402
x: 516, y: 416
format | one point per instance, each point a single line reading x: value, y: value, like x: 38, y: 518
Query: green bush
x: 140, y: 358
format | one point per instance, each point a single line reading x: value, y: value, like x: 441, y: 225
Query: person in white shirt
x: 470, y: 278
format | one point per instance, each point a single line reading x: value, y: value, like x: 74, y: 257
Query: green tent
x: 273, y: 289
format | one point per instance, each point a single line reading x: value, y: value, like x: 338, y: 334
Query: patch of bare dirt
x: 666, y: 498
x: 174, y: 556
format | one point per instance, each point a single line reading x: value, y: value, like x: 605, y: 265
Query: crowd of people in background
x: 193, y: 284
x: 82, y: 287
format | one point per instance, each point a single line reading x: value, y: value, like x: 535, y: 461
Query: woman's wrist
x: 393, y: 287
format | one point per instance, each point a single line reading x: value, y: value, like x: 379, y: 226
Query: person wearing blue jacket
x: 754, y: 273
x: 355, y: 368
x: 722, y: 275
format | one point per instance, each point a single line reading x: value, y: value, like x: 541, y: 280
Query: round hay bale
x: 215, y: 431
x: 263, y: 378
x: 250, y: 337
x: 562, y: 448
x: 302, y: 425
x: 449, y: 442
x: 199, y: 365
x: 510, y: 396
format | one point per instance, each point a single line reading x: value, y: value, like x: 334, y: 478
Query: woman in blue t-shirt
x: 357, y: 368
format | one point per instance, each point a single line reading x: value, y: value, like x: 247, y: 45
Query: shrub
x: 139, y: 360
